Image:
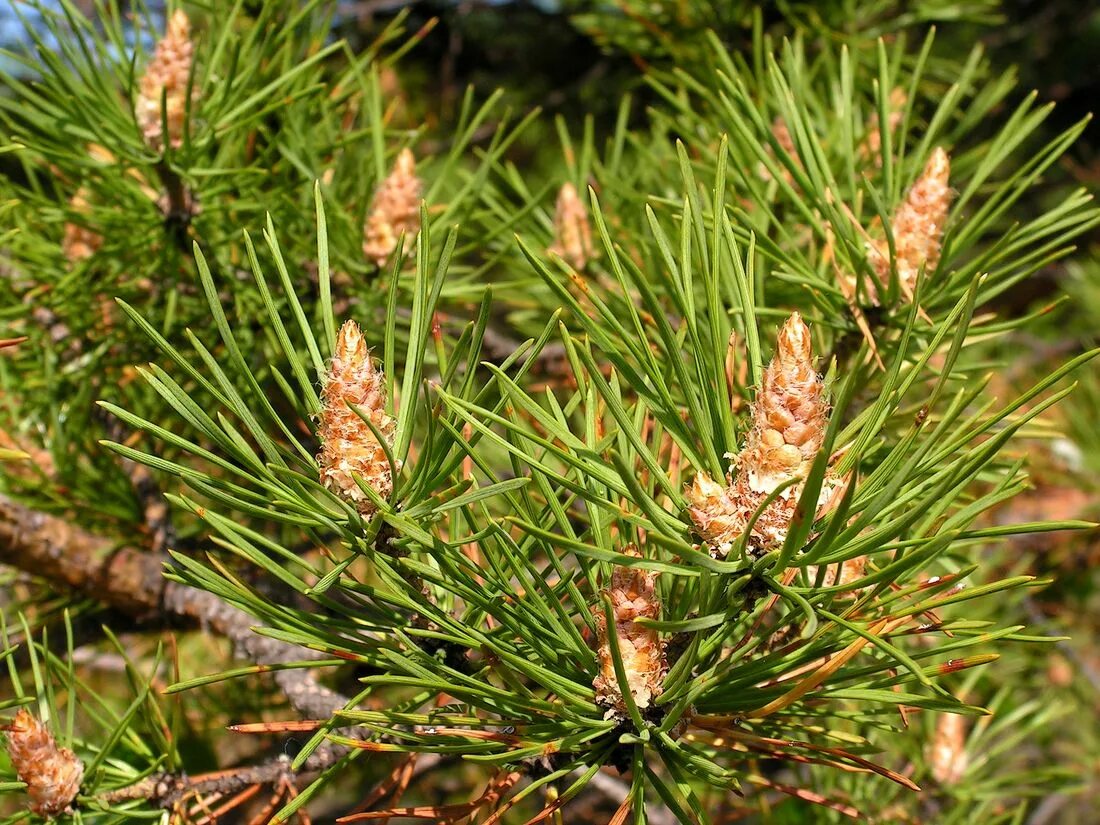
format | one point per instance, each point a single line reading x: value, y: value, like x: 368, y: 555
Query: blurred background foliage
x: 577, y: 57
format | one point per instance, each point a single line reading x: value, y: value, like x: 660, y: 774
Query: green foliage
x: 673, y: 31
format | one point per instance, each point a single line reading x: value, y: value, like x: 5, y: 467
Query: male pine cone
x: 348, y: 445
x: 572, y: 234
x: 394, y: 209
x: 789, y: 419
x: 166, y: 80
x: 52, y: 774
x: 633, y: 596
x: 917, y: 226
x: 947, y: 754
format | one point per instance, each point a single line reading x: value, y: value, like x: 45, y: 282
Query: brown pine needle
x: 839, y: 753
x: 449, y: 813
x: 386, y: 786
x: 623, y: 811
x: 403, y: 777
x: 229, y: 805
x: 825, y: 671
x: 808, y: 796
x: 263, y: 816
x: 288, y: 726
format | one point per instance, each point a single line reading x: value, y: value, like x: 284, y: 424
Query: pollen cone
x: 394, y: 209
x: 347, y: 443
x: 789, y: 419
x: 917, y: 226
x: 52, y: 774
x: 166, y: 77
x: 572, y: 234
x: 633, y: 596
x: 947, y: 754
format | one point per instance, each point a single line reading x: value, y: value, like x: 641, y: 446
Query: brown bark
x: 64, y: 554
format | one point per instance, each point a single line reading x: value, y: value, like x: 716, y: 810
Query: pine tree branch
x: 167, y: 790
x: 178, y: 205
x: 132, y: 582
x: 47, y: 546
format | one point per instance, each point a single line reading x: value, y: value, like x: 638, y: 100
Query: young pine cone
x: 871, y: 148
x: 52, y: 774
x: 790, y: 416
x: 633, y: 596
x: 572, y: 234
x: 394, y: 209
x: 846, y: 573
x: 166, y: 77
x: 917, y: 226
x: 347, y: 444
x: 718, y: 515
x: 79, y: 242
x: 947, y: 753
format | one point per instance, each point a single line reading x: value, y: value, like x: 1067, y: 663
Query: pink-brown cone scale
x: 918, y: 225
x: 166, y: 76
x: 572, y: 234
x: 947, y: 754
x: 841, y: 575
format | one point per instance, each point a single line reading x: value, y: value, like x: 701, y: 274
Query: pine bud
x: 783, y: 138
x: 80, y: 242
x: 790, y: 416
x: 633, y: 596
x: 394, y: 209
x: 871, y: 147
x: 848, y: 572
x: 947, y: 754
x: 918, y: 225
x: 166, y: 76
x: 52, y: 774
x: 347, y: 444
x: 718, y: 518
x: 572, y: 234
